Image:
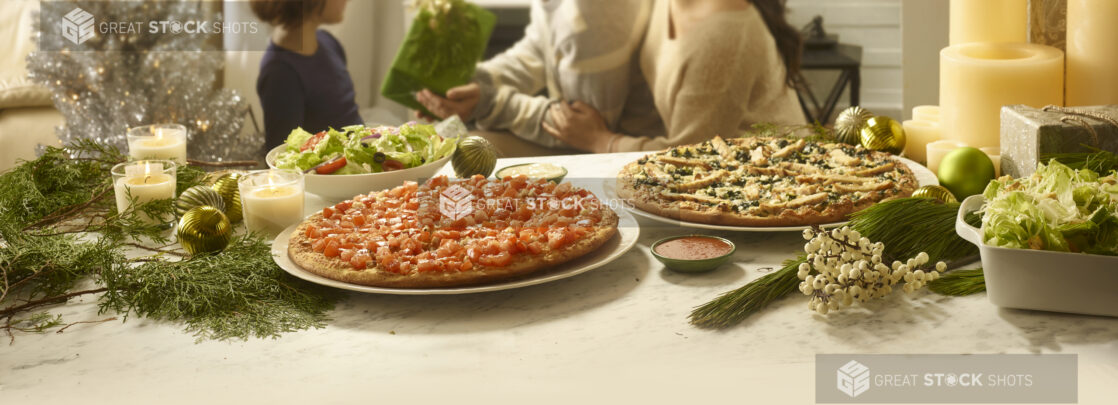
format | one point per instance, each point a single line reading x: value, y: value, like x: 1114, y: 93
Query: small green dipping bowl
x: 693, y: 266
x: 555, y: 180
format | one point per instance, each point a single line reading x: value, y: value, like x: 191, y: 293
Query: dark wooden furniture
x: 847, y: 59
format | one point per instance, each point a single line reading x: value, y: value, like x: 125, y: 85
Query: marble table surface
x: 619, y: 332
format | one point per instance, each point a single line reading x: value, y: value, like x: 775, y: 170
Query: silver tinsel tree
x: 115, y: 81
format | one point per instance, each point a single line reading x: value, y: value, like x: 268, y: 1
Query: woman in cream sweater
x: 716, y: 67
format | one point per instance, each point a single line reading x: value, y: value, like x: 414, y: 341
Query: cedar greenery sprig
x: 59, y: 225
x: 906, y: 226
x: 237, y: 293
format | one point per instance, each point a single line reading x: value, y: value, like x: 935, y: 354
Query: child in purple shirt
x: 303, y: 78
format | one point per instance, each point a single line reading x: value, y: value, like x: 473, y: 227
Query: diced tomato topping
x: 331, y: 249
x: 497, y: 260
x: 327, y: 212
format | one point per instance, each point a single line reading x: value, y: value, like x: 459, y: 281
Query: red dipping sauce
x: 693, y: 248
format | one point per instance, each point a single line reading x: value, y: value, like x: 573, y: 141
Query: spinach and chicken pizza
x: 763, y: 182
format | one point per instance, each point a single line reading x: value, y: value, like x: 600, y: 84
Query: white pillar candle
x: 164, y: 141
x: 988, y: 21
x: 918, y: 134
x: 926, y: 113
x: 995, y: 155
x: 937, y: 150
x: 142, y: 182
x: 1092, y: 52
x: 271, y: 200
x: 977, y: 79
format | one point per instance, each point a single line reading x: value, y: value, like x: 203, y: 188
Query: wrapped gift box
x: 1028, y: 133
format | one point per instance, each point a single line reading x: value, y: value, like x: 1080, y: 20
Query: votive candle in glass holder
x: 271, y: 200
x: 139, y: 182
x: 160, y: 141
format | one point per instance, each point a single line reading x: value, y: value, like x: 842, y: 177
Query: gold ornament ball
x: 198, y: 196
x: 474, y: 155
x: 226, y: 186
x: 938, y: 193
x: 849, y: 124
x: 203, y: 230
x: 883, y: 134
x: 966, y: 171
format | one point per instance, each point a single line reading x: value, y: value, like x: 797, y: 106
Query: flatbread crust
x: 644, y: 198
x: 299, y: 249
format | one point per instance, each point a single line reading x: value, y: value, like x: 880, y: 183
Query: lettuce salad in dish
x: 359, y: 149
x: 1057, y: 208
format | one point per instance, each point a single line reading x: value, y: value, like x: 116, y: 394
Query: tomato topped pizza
x: 763, y: 182
x: 452, y: 232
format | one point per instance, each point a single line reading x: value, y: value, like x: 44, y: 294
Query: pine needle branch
x: 906, y: 226
x: 732, y: 307
x: 959, y: 283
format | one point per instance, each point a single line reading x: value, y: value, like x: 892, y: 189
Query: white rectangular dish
x: 1043, y: 280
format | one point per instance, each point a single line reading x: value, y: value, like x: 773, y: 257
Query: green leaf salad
x: 359, y: 149
x: 1057, y: 208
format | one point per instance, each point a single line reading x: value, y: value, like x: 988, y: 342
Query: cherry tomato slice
x: 331, y: 167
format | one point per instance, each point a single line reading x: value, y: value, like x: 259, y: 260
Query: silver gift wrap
x: 1027, y: 133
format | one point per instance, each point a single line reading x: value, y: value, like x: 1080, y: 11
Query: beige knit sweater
x: 719, y: 78
x: 577, y: 50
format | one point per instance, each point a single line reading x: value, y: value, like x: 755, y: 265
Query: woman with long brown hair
x: 716, y: 67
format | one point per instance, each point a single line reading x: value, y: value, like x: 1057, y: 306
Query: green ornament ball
x: 198, y: 196
x: 204, y: 230
x: 883, y: 134
x: 226, y: 186
x: 474, y: 155
x: 966, y: 171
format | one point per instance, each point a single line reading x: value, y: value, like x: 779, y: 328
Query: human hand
x: 579, y: 125
x: 459, y: 101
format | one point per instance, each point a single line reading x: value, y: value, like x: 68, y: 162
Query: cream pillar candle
x: 271, y: 200
x: 938, y: 149
x: 1092, y: 52
x: 918, y: 134
x: 995, y: 155
x: 987, y: 21
x: 977, y: 79
x: 144, y: 181
x: 164, y: 141
x: 925, y: 113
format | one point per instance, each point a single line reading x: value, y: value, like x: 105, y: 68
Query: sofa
x: 27, y: 117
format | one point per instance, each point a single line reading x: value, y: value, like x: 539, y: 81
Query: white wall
x: 924, y: 28
x: 875, y: 25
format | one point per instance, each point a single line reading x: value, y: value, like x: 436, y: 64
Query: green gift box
x: 446, y: 41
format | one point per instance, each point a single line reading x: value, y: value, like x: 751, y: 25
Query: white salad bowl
x: 1043, y: 280
x: 339, y: 187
